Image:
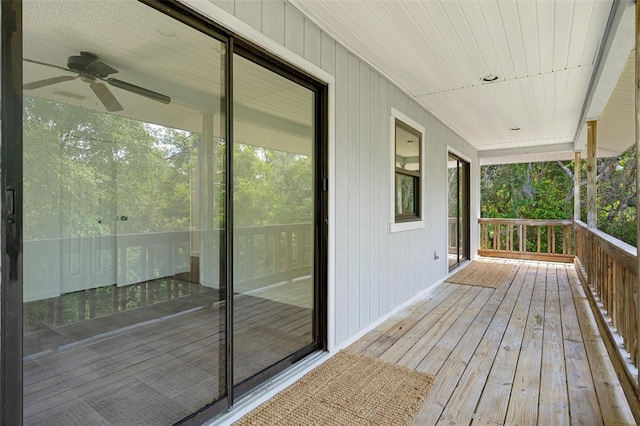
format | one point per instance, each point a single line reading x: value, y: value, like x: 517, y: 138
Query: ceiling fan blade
x: 48, y: 82
x: 106, y: 97
x: 33, y: 61
x: 139, y: 90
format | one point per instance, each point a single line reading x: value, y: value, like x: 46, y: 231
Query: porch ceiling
x: 544, y: 55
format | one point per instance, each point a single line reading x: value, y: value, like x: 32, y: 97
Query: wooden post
x: 577, y: 163
x: 592, y: 170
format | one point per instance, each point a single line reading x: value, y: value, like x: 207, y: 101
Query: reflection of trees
x: 271, y: 187
x: 76, y: 156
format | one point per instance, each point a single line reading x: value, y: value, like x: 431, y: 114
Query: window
x: 407, y: 139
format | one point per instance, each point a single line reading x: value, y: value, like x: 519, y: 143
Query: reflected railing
x: 154, y: 271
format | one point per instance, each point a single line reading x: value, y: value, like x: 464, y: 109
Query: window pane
x: 406, y: 194
x: 407, y: 148
x: 407, y: 163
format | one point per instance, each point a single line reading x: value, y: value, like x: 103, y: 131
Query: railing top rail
x: 623, y: 252
x: 529, y: 222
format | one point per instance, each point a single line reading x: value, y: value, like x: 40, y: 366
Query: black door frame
x: 11, y: 220
x: 11, y: 178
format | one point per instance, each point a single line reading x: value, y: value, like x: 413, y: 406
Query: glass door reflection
x: 124, y: 312
x: 273, y: 170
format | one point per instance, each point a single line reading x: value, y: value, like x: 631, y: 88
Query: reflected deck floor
x: 528, y: 352
x: 161, y: 372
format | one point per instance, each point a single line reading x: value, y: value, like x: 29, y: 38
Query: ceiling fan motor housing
x: 88, y: 63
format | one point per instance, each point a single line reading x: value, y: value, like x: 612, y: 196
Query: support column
x: 592, y: 170
x: 577, y: 163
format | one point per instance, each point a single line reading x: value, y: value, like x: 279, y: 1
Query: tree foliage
x: 544, y: 190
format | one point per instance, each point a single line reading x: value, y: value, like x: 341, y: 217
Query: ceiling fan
x: 92, y: 70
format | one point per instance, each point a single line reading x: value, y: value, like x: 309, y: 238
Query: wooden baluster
x: 484, y: 229
x: 115, y: 297
x: 82, y: 300
x: 287, y: 245
x: 300, y: 243
x: 250, y: 255
x: 92, y: 303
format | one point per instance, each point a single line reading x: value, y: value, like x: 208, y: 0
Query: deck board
x: 527, y: 352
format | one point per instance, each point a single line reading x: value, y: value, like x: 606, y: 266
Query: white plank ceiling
x: 542, y: 52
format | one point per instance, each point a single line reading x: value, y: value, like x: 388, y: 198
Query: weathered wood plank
x: 441, y: 351
x: 468, y: 386
x: 437, y: 305
x: 493, y: 404
x: 411, y: 348
x: 523, y: 406
x: 401, y: 322
x: 454, y: 412
x: 554, y: 398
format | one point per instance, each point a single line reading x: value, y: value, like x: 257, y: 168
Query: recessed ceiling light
x: 489, y: 78
x: 410, y: 141
x: 515, y: 129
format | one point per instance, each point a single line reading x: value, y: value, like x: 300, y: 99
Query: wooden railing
x: 547, y: 240
x: 608, y: 270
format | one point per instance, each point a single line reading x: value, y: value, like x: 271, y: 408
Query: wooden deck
x: 528, y: 352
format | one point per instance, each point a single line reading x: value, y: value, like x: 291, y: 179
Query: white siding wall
x: 375, y: 270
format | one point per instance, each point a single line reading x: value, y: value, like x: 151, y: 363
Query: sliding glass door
x: 273, y: 217
x: 124, y: 303
x: 172, y: 241
x: 458, y: 226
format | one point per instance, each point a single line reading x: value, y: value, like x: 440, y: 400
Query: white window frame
x: 414, y: 224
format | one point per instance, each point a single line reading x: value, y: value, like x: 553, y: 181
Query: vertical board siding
x: 327, y: 54
x: 342, y: 194
x: 364, y: 222
x: 293, y: 30
x: 374, y: 196
x: 375, y: 270
x: 250, y: 12
x: 312, y: 37
x: 273, y: 20
x: 392, y: 290
x: 383, y: 231
x: 226, y: 5
x: 353, y: 184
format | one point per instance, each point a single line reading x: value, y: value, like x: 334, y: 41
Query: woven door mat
x: 348, y: 389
